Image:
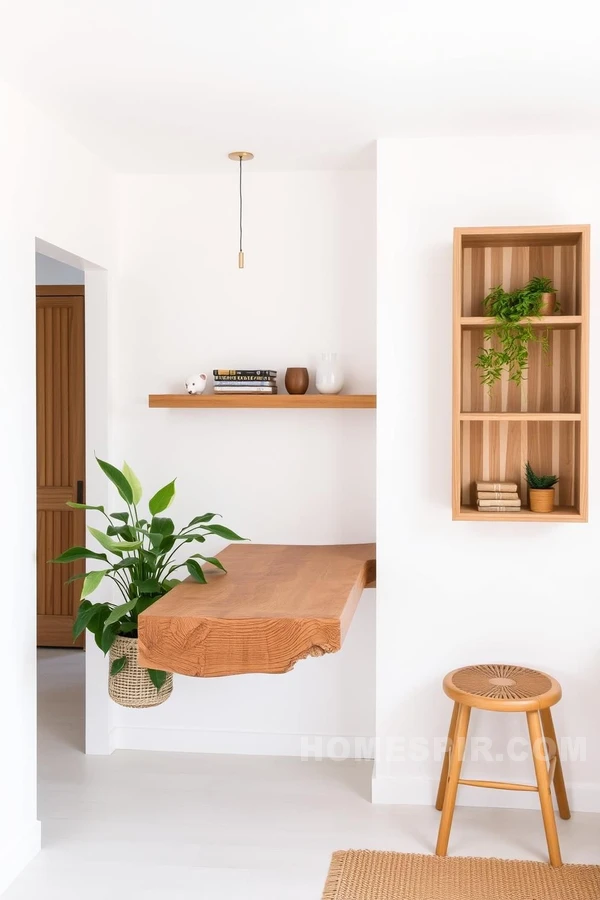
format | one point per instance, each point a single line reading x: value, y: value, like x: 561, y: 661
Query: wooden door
x: 60, y: 457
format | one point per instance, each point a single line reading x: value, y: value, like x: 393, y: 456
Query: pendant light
x: 241, y: 156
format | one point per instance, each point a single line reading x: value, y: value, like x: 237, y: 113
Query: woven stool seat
x: 507, y: 689
x: 502, y: 688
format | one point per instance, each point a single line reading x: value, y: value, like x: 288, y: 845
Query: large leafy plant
x: 139, y: 557
x: 512, y: 335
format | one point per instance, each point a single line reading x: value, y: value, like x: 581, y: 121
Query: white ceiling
x: 173, y: 85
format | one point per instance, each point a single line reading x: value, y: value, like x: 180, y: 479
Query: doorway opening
x: 61, y: 454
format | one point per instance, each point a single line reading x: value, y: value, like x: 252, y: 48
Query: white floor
x: 180, y: 826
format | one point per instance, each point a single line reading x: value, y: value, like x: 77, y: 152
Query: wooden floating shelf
x: 544, y: 419
x: 558, y: 514
x: 519, y: 417
x: 260, y: 401
x: 542, y: 322
x: 277, y: 604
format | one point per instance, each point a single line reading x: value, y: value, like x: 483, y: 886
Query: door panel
x: 60, y: 457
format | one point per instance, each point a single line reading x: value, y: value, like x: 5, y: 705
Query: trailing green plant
x: 512, y: 335
x: 139, y: 558
x: 539, y: 482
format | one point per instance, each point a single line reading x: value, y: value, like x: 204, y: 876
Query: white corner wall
x: 277, y: 476
x: 54, y: 190
x: 456, y: 593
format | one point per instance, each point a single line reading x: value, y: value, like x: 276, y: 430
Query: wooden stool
x: 504, y: 689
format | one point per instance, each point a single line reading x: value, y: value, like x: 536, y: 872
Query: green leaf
x: 126, y: 627
x: 200, y: 520
x: 113, y: 546
x: 157, y: 678
x: 91, y: 582
x: 119, y: 611
x: 156, y: 539
x: 212, y: 560
x: 130, y: 562
x: 75, y: 553
x: 149, y: 557
x: 97, y: 623
x: 167, y: 544
x: 120, y: 530
x: 118, y: 665
x: 134, y: 483
x: 74, y: 505
x: 149, y: 586
x: 195, y: 570
x: 106, y: 639
x: 121, y: 516
x: 86, y: 611
x: 118, y: 479
x: 162, y: 526
x: 162, y: 499
x: 222, y: 531
x: 75, y: 578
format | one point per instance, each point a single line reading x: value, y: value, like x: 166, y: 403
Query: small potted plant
x: 513, y: 335
x: 138, y: 557
x: 541, y: 491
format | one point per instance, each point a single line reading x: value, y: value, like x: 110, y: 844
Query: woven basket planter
x: 132, y: 686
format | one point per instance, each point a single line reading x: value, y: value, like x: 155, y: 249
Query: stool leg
x: 439, y: 803
x: 543, y: 783
x: 454, y: 767
x: 559, y: 779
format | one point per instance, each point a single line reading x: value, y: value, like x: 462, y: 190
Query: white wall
x: 51, y: 271
x: 52, y: 189
x: 456, y: 593
x: 277, y: 476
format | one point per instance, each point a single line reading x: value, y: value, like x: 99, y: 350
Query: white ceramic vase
x: 330, y: 378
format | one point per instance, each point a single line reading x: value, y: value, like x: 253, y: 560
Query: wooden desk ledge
x: 276, y: 604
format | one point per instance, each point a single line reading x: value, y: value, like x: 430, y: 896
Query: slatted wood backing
x: 60, y: 455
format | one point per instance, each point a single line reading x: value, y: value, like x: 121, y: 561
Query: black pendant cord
x: 241, y: 209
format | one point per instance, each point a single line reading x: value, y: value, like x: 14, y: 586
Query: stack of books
x: 497, y: 496
x: 245, y: 381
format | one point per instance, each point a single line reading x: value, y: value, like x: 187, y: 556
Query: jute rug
x: 375, y: 875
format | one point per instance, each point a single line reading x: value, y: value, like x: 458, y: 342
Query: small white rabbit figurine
x: 196, y: 384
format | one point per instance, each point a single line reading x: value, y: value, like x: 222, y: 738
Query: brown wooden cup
x: 296, y: 380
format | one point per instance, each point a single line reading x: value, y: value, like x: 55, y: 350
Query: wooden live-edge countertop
x: 262, y: 401
x: 277, y: 604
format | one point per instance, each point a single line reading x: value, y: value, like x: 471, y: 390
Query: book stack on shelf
x: 498, y: 496
x: 245, y: 381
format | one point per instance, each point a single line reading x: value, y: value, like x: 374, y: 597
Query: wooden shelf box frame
x: 546, y: 419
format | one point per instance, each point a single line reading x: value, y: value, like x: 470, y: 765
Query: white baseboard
x: 189, y: 740
x: 18, y: 853
x: 422, y: 792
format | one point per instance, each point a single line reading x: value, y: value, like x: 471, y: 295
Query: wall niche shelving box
x: 545, y: 420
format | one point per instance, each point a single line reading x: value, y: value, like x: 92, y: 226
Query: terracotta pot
x: 296, y: 380
x: 132, y: 686
x: 548, y: 304
x: 541, y: 501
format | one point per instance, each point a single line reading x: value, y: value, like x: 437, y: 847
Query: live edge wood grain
x: 276, y: 604
x: 262, y: 401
